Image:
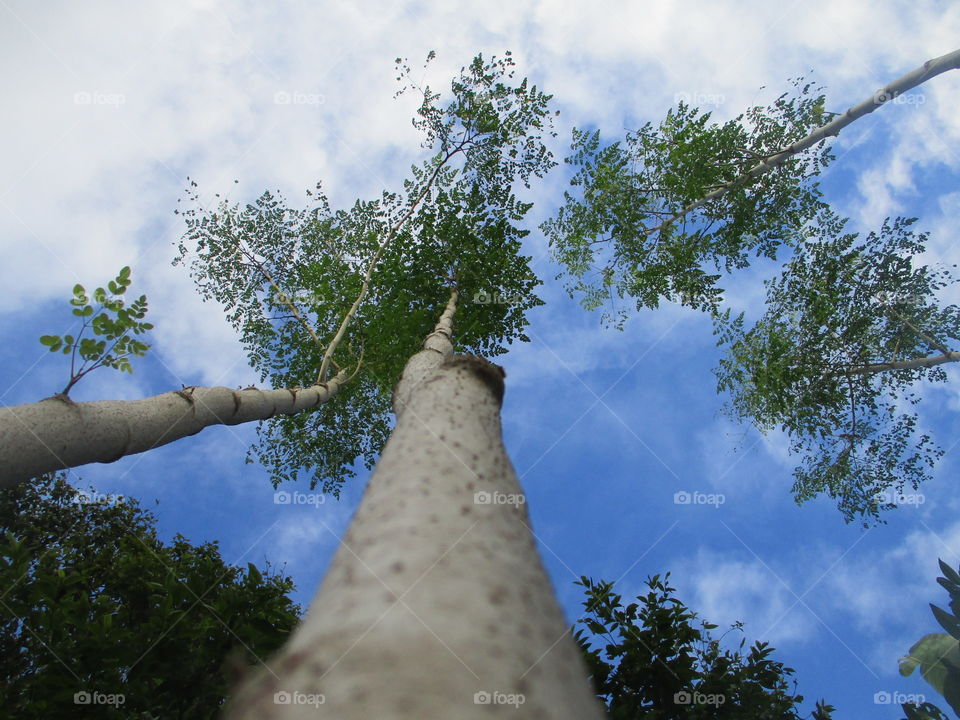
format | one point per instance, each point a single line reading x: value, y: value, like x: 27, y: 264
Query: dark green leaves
x: 94, y: 601
x: 111, y: 319
x: 653, y: 660
x: 938, y: 654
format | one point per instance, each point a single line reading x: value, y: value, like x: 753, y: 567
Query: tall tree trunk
x: 436, y: 605
x: 58, y: 433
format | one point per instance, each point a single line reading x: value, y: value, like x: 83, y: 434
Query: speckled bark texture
x: 58, y: 433
x: 436, y: 605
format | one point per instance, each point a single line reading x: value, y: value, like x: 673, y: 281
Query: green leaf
x: 908, y: 663
x: 934, y: 654
x: 113, y: 596
x: 105, y: 325
x: 947, y: 621
x: 89, y: 349
x: 949, y: 573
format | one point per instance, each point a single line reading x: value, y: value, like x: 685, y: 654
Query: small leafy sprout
x: 112, y: 323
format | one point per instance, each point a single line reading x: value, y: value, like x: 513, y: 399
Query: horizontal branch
x: 912, y: 364
x: 58, y: 433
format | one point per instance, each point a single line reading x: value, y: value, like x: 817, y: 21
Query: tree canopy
x: 624, y: 233
x: 103, y: 619
x: 653, y: 660
x: 317, y: 291
x: 851, y: 329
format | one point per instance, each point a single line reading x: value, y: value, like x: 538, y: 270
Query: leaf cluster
x: 938, y: 654
x: 365, y: 285
x: 652, y: 660
x: 95, y: 602
x: 112, y: 320
x: 624, y: 232
x: 812, y: 364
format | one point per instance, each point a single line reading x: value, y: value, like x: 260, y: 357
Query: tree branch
x: 365, y: 287
x: 928, y: 70
x: 912, y: 364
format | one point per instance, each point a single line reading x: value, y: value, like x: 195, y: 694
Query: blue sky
x: 109, y: 108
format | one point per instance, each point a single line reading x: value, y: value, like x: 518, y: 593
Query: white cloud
x: 726, y: 590
x: 858, y: 595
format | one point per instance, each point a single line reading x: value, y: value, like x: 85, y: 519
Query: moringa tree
x: 452, y: 537
x: 442, y: 226
x: 439, y: 563
x: 313, y: 290
x: 330, y: 304
x: 665, y: 213
x: 436, y: 603
x: 851, y: 328
x: 626, y: 234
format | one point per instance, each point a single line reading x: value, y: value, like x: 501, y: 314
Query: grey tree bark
x: 912, y: 364
x: 58, y: 433
x: 436, y: 605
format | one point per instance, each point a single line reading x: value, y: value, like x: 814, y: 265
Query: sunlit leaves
x: 380, y: 272
x: 618, y: 234
x: 664, y: 213
x: 112, y: 320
